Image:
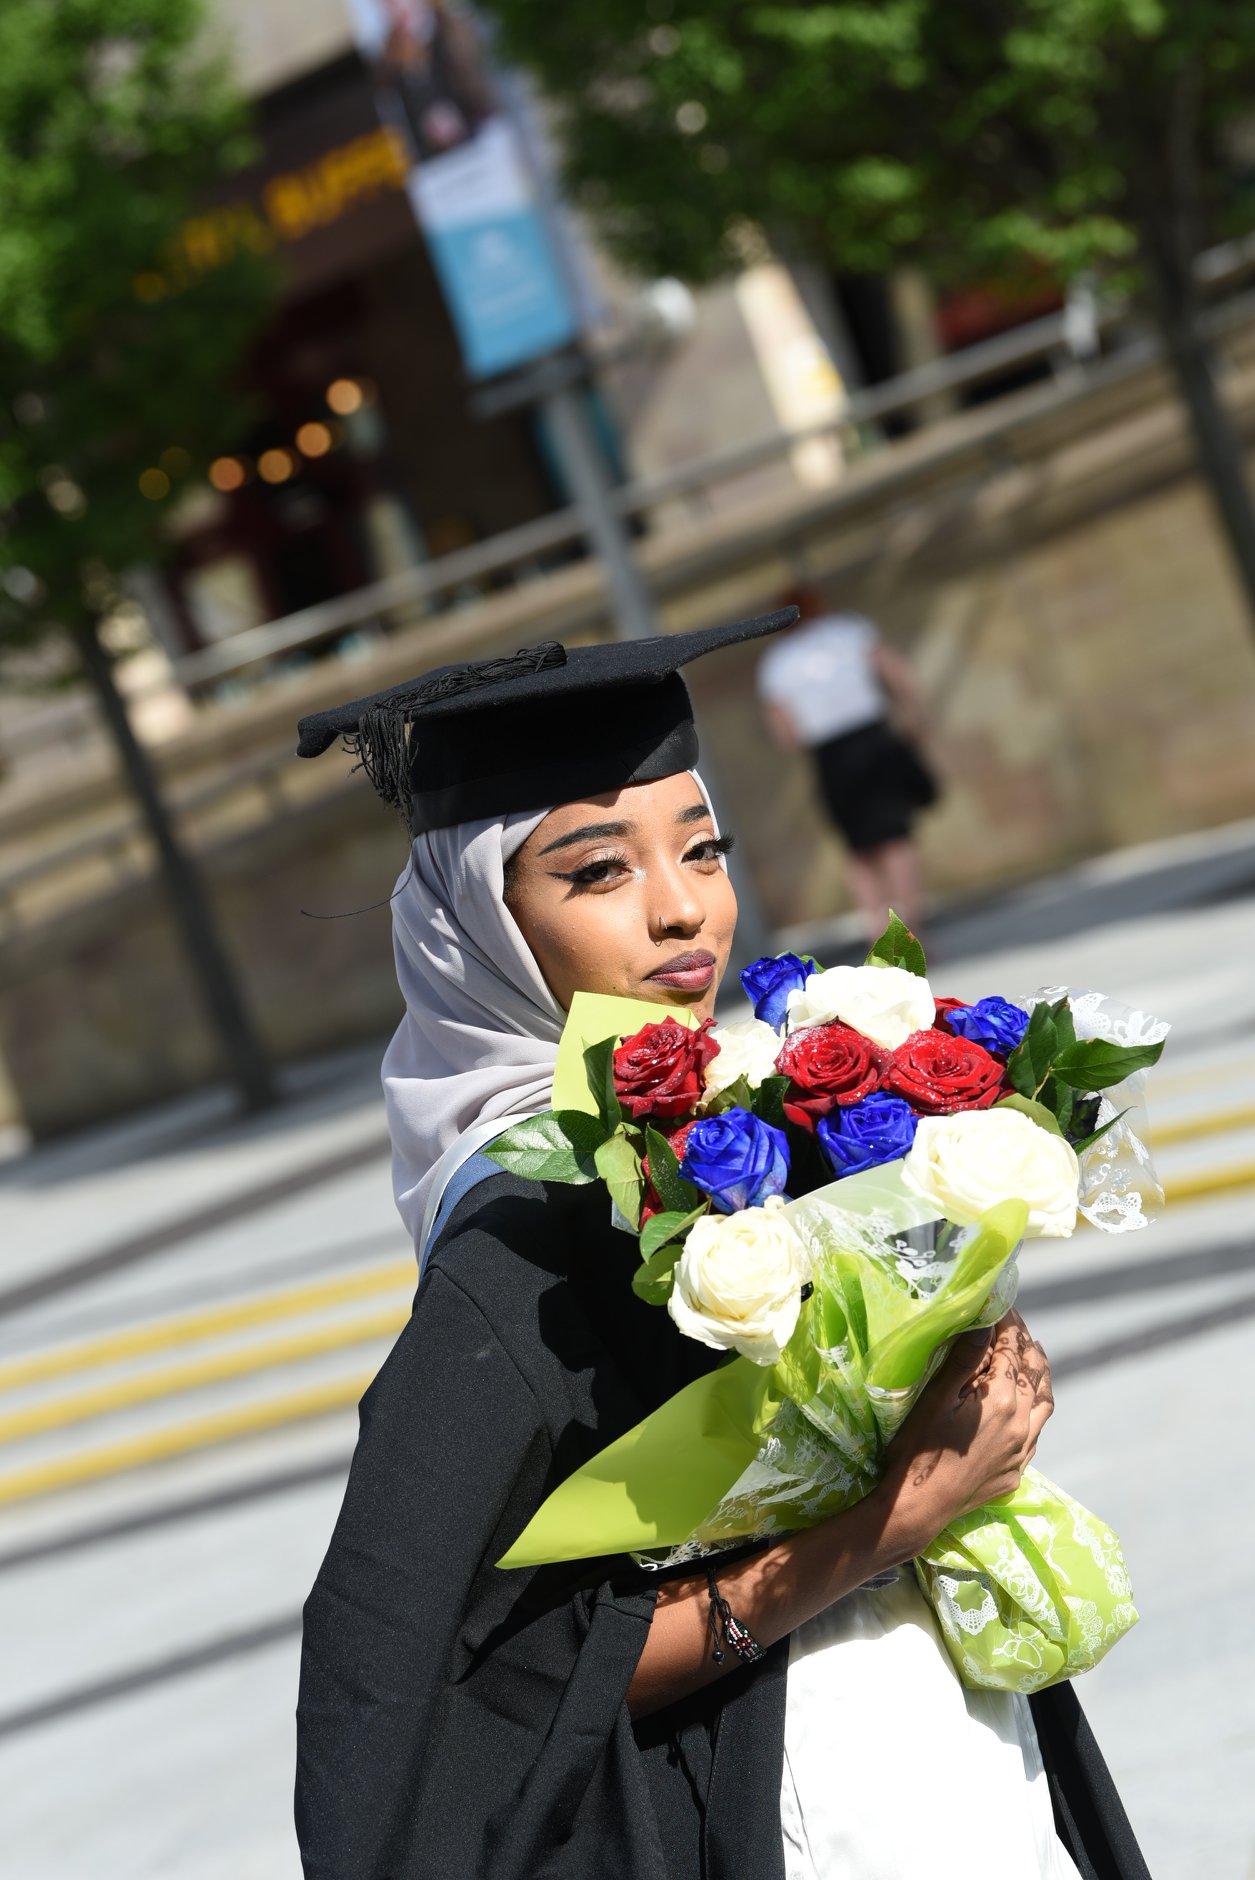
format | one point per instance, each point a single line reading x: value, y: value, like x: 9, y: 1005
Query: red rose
x: 659, y: 1071
x: 827, y: 1065
x: 938, y: 1073
x: 944, y: 1009
x: 652, y: 1203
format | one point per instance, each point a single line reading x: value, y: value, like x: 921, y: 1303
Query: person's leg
x: 867, y: 884
x: 899, y: 871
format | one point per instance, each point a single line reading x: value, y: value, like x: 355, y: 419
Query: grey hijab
x: 478, y: 1044
x: 479, y: 1040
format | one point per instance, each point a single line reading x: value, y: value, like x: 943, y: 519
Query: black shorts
x: 873, y: 783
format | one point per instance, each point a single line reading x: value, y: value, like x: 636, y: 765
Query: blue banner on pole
x: 492, y: 253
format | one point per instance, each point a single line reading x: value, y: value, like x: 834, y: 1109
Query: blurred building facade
x: 368, y: 454
x: 1050, y: 561
x: 364, y: 457
x: 1054, y: 569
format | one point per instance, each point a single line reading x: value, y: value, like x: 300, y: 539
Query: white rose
x: 738, y: 1283
x: 886, y: 1003
x: 748, y: 1049
x: 966, y: 1163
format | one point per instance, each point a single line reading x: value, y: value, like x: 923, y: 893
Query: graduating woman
x: 461, y: 1722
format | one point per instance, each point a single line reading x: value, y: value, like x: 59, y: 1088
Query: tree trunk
x: 1220, y: 451
x: 246, y: 1061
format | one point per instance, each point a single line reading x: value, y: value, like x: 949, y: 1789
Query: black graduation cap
x: 545, y: 725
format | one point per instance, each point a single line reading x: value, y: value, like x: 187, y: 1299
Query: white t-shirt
x: 821, y: 674
x: 893, y: 1770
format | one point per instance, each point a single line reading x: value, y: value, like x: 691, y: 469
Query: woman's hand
x: 968, y: 1439
x: 1027, y: 1355
x: 973, y: 1433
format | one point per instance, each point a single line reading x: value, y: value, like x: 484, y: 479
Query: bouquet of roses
x: 830, y: 1189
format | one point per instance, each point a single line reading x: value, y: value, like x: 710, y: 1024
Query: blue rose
x: 769, y: 981
x: 736, y: 1159
x: 878, y: 1129
x: 994, y: 1023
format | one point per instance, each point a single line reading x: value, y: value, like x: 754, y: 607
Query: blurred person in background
x: 831, y: 686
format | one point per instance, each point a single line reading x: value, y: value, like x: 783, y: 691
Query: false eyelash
x: 584, y: 876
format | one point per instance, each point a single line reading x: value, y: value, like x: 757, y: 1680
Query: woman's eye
x: 594, y: 874
x: 711, y: 849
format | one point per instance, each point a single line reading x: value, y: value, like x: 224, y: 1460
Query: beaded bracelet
x: 723, y: 1624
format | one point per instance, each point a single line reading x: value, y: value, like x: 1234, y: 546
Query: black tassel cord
x: 381, y: 742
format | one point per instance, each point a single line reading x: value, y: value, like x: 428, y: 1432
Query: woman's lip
x: 692, y: 972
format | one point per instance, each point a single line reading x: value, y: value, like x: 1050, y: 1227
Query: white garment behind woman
x: 821, y: 674
x: 893, y: 1769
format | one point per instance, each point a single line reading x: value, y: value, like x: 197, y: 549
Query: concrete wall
x: 99, y: 1015
x: 1088, y: 656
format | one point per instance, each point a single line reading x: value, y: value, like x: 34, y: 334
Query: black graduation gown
x: 464, y: 1723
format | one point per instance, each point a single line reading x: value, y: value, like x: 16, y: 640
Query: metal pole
x: 588, y: 483
x: 632, y: 609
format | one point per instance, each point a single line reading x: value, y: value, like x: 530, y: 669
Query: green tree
x: 985, y: 137
x: 116, y: 359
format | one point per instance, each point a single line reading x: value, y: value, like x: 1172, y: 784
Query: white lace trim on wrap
x: 1117, y: 1175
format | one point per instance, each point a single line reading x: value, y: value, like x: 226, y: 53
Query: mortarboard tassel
x: 381, y: 741
x: 381, y: 746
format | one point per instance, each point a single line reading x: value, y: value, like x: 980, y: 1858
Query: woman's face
x: 625, y: 893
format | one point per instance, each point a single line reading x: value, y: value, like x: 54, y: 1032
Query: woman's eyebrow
x: 591, y: 832
x: 696, y: 812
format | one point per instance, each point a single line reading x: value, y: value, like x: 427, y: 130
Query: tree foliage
x: 115, y: 127
x: 116, y: 361
x: 988, y: 136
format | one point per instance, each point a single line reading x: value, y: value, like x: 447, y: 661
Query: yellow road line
x: 1214, y: 1181
x: 126, y: 1393
x: 1190, y: 1128
x: 299, y: 1406
x: 1199, y: 1077
x: 93, y: 1465
x: 212, y: 1322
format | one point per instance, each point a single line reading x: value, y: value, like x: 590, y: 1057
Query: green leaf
x: 897, y: 946
x: 619, y: 1166
x: 1036, y: 1112
x: 1096, y: 1065
x: 665, y: 1227
x: 599, y: 1062
x: 654, y: 1279
x: 1087, y: 1142
x: 1060, y: 1100
x: 768, y: 1102
x: 736, y: 1096
x: 664, y: 1172
x: 1065, y: 1027
x: 556, y: 1146
x: 1029, y: 1064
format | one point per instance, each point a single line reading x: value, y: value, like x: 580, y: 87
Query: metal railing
x: 1049, y: 340
x: 962, y: 456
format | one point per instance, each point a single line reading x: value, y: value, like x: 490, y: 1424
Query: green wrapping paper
x: 1026, y: 1591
